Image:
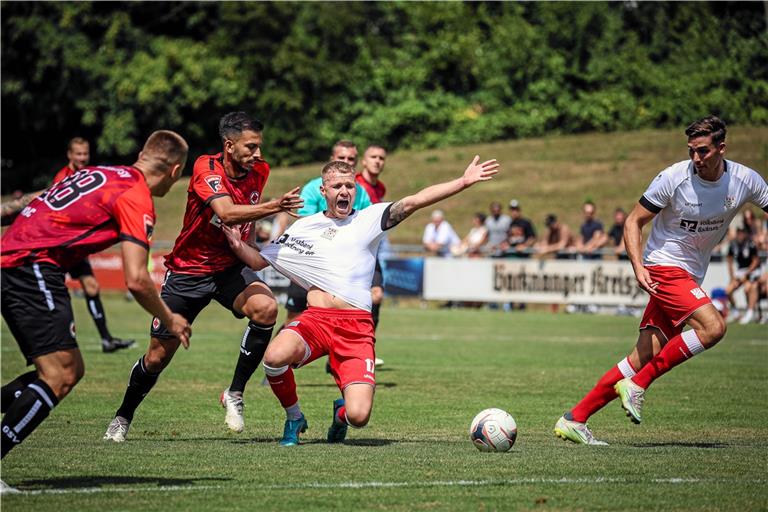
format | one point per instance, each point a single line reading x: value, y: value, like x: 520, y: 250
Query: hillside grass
x: 547, y: 175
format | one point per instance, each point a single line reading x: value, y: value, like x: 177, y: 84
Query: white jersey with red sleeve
x: 337, y: 256
x: 694, y: 214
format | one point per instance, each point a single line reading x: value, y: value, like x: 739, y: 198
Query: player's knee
x: 90, y: 286
x: 358, y: 416
x: 155, y: 361
x: 261, y: 309
x: 712, y: 332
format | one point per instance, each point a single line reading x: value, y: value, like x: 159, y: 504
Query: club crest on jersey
x: 329, y: 233
x: 254, y: 199
x: 730, y: 202
x: 149, y: 226
x: 214, y: 182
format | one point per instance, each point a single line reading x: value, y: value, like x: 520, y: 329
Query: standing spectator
x: 591, y: 235
x: 616, y: 233
x: 498, y: 227
x: 439, y: 235
x: 744, y: 251
x: 374, y: 158
x: 524, y: 237
x: 473, y: 243
x: 557, y: 238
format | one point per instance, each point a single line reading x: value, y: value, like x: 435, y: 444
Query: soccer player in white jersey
x: 691, y: 204
x: 333, y: 254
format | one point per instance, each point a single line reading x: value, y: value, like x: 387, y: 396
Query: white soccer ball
x: 493, y: 430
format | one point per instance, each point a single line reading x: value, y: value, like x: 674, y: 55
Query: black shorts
x: 378, y: 276
x: 297, y: 298
x: 37, y: 309
x: 81, y: 269
x: 188, y: 294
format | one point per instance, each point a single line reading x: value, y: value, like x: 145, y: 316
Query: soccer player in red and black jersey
x: 80, y: 215
x: 225, y: 189
x: 78, y: 154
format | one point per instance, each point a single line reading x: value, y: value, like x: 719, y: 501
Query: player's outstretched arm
x: 232, y: 214
x: 475, y: 172
x: 633, y: 241
x: 247, y: 254
x: 139, y: 282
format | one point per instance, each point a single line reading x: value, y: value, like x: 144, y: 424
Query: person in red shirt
x: 374, y: 158
x: 78, y: 154
x: 225, y: 189
x: 80, y: 215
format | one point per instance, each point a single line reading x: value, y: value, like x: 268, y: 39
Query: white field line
x: 386, y: 485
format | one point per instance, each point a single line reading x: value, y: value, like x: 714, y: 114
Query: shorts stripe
x: 26, y: 419
x: 43, y: 288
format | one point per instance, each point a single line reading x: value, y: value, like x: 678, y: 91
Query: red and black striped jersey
x: 201, y: 247
x: 84, y: 213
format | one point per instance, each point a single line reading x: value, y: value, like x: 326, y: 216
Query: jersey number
x: 69, y: 190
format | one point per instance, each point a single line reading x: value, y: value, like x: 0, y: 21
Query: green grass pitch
x: 702, y: 444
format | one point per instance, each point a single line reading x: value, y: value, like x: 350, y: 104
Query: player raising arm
x: 83, y: 214
x: 691, y: 204
x: 333, y: 254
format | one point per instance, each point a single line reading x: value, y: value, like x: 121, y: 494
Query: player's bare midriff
x: 321, y: 299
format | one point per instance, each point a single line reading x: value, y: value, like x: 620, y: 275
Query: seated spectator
x: 591, y: 235
x: 557, y: 238
x: 498, y: 227
x: 472, y: 244
x: 616, y: 233
x: 757, y: 290
x: 439, y: 236
x: 744, y: 252
x: 521, y: 234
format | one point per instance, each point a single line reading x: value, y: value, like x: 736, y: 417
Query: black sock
x: 375, y: 314
x: 255, y: 340
x: 26, y: 413
x: 139, y: 385
x: 13, y: 389
x: 96, y: 309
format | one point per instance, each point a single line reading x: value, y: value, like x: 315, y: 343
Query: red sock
x: 341, y: 415
x: 677, y: 350
x: 602, y: 393
x: 284, y: 387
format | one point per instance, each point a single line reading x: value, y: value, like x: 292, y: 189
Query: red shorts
x: 677, y: 297
x: 346, y: 335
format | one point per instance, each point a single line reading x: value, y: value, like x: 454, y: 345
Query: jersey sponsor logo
x: 329, y: 233
x: 214, y: 182
x: 689, y: 225
x: 254, y: 199
x: 149, y: 226
x: 698, y: 293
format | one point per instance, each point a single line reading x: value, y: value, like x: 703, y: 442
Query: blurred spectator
x: 757, y: 291
x: 498, y: 226
x: 262, y: 233
x: 521, y: 234
x: 558, y: 237
x: 616, y: 233
x: 591, y: 234
x: 473, y: 243
x: 744, y: 251
x: 439, y: 236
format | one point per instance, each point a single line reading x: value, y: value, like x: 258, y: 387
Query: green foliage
x: 403, y: 74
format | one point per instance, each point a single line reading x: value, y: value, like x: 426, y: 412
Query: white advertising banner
x: 542, y: 281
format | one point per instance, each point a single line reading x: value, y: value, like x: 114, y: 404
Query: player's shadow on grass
x: 674, y: 444
x: 348, y: 442
x: 79, y: 482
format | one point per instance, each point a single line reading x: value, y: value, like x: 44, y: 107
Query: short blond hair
x: 336, y: 167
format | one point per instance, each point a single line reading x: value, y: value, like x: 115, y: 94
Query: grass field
x: 703, y: 444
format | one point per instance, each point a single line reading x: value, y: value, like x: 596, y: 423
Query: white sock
x: 293, y: 412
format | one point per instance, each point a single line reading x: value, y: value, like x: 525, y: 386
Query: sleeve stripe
x: 649, y: 205
x: 385, y: 218
x: 214, y: 196
x: 128, y: 238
